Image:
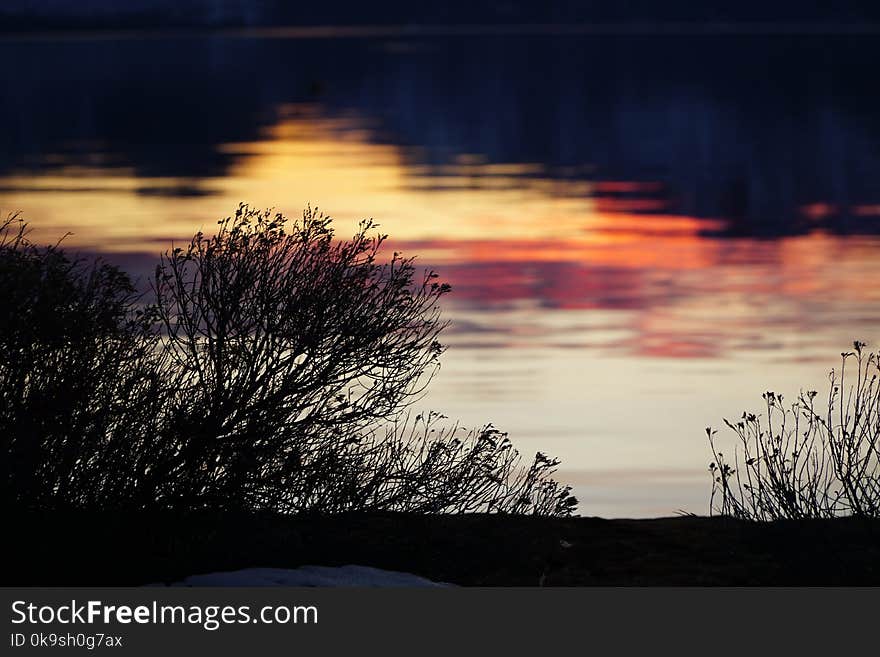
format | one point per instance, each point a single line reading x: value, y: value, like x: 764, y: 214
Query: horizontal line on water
x: 424, y: 31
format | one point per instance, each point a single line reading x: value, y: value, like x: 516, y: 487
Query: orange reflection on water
x: 679, y: 296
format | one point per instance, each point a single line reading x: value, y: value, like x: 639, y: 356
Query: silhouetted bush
x: 79, y: 387
x: 421, y: 465
x: 271, y: 370
x: 800, y: 461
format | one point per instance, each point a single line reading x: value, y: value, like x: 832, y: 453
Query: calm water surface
x: 643, y: 233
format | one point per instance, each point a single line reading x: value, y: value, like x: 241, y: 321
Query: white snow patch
x: 350, y: 575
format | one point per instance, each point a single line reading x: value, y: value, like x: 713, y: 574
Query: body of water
x: 643, y: 233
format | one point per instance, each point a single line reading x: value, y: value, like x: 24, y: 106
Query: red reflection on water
x: 682, y: 295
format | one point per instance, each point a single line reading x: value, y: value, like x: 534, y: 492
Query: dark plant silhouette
x: 79, y: 386
x: 803, y: 461
x: 272, y: 369
x: 284, y: 345
x: 418, y: 464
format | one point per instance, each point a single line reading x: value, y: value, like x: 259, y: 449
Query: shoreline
x: 135, y: 549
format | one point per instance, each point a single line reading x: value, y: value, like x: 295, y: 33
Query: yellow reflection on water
x: 301, y: 159
x: 332, y: 163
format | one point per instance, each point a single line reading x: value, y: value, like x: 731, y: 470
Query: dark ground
x: 475, y: 550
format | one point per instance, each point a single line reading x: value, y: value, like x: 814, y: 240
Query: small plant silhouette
x: 272, y: 369
x: 803, y: 461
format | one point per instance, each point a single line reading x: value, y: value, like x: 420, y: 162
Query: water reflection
x: 642, y: 233
x: 749, y: 129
